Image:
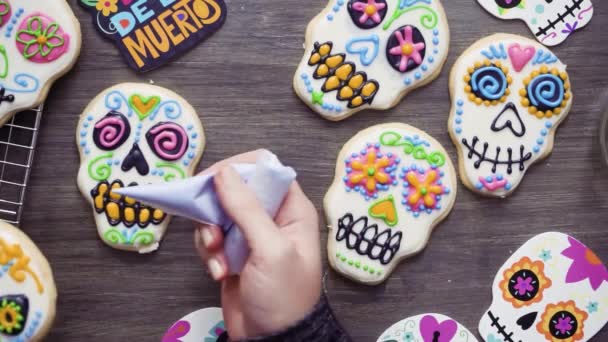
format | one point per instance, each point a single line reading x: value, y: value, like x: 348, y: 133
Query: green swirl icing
x: 394, y: 139
x: 102, y: 171
x: 114, y: 236
x: 428, y: 20
x: 142, y: 238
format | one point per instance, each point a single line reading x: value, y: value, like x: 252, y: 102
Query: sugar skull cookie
x: 39, y: 42
x: 205, y: 325
x: 427, y: 328
x: 509, y: 95
x: 370, y: 53
x: 393, y: 184
x: 134, y: 134
x: 551, y: 21
x: 553, y: 289
x: 27, y: 290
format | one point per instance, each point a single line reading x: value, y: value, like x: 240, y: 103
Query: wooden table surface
x: 240, y: 83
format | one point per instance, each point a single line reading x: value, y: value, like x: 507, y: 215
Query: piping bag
x: 195, y: 198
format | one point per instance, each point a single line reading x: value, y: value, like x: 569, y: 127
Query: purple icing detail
x: 523, y: 286
x: 585, y: 265
x: 177, y: 331
x: 433, y: 331
x: 564, y: 325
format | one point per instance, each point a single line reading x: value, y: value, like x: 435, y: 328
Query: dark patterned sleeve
x: 320, y: 325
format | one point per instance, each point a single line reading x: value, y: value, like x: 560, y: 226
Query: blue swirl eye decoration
x: 545, y: 92
x: 487, y: 83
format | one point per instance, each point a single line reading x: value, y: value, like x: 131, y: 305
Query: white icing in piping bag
x: 195, y: 198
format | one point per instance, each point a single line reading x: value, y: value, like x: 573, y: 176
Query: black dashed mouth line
x: 501, y: 329
x: 121, y: 209
x: 576, y: 4
x: 482, y: 157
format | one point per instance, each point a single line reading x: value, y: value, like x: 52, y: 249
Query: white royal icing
x: 469, y: 120
x: 427, y: 327
x: 371, y: 231
x: 28, y: 79
x: 37, y: 285
x: 367, y: 50
x: 98, y: 165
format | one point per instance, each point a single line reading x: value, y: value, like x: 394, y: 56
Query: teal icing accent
x: 494, y: 52
x: 24, y: 83
x: 358, y: 46
x: 540, y: 9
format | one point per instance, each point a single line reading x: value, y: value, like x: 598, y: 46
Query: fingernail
x: 206, y: 237
x: 214, y: 268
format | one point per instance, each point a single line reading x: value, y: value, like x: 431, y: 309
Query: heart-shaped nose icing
x: 362, y: 54
x: 430, y: 327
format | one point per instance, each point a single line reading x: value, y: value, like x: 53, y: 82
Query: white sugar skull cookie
x: 206, y: 325
x: 370, y: 53
x: 427, y: 328
x: 27, y: 290
x: 134, y: 134
x: 509, y: 94
x: 39, y: 42
x: 551, y: 21
x: 393, y: 184
x: 552, y: 289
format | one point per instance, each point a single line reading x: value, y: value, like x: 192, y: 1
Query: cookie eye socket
x: 406, y: 48
x: 111, y: 131
x: 488, y: 84
x: 167, y: 140
x: 508, y: 3
x: 367, y: 14
x: 13, y: 314
x: 545, y: 92
x: 523, y: 285
x: 563, y: 325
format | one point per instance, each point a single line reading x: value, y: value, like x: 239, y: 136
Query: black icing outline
x: 481, y: 157
x: 508, y: 124
x: 345, y: 231
x: 560, y: 17
x: 501, y: 329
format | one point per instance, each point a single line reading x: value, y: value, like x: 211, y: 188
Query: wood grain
x: 240, y: 82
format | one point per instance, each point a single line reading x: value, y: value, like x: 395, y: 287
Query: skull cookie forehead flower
x: 39, y: 42
x: 509, y: 95
x: 134, y: 134
x: 551, y: 22
x: 430, y: 327
x: 381, y: 212
x: 548, y: 296
x: 369, y: 53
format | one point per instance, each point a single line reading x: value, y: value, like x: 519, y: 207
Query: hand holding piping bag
x: 281, y: 280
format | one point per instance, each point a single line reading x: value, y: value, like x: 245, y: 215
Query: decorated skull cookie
x: 393, y: 184
x: 370, y: 53
x: 134, y: 134
x: 509, y: 95
x: 27, y: 289
x: 427, y: 328
x: 551, y: 21
x: 553, y: 289
x: 205, y: 325
x: 39, y: 42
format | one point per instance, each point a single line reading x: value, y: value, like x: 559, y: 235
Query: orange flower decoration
x: 562, y: 322
x: 524, y: 283
x: 370, y: 171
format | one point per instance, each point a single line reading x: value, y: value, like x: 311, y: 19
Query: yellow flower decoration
x: 487, y: 83
x: 562, y: 322
x: 545, y: 92
x: 107, y: 7
x: 524, y: 283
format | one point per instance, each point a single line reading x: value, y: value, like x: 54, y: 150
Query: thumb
x: 243, y: 207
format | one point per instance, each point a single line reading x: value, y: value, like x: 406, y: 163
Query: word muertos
x: 393, y: 184
x: 151, y: 32
x: 509, y: 95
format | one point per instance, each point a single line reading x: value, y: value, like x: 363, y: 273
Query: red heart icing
x: 126, y: 2
x: 520, y: 57
x: 124, y: 23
